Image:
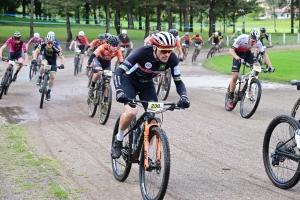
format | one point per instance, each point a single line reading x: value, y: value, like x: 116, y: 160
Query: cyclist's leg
x: 82, y: 47
x: 96, y: 75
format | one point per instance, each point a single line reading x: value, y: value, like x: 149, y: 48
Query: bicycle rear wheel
x: 154, y: 180
x: 122, y: 166
x: 280, y: 152
x: 104, y: 106
x: 251, y: 98
x: 294, y: 113
x: 44, y: 90
x: 157, y: 83
x: 31, y: 71
x: 165, y: 84
x: 92, y: 104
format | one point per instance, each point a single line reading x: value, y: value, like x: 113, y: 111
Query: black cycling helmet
x: 113, y: 39
x: 263, y: 29
x: 101, y: 37
x: 197, y: 34
x: 106, y: 35
x: 173, y: 32
x: 17, y: 35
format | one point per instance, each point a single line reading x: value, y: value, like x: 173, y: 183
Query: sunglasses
x: 50, y: 43
x: 114, y: 45
x: 165, y: 51
x: 17, y: 39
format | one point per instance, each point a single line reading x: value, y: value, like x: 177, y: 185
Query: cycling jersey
x: 142, y: 67
x: 104, y: 54
x: 198, y: 40
x: 16, y: 47
x: 95, y: 44
x: 56, y: 43
x: 217, y: 39
x: 124, y: 41
x: 81, y: 41
x: 242, y: 45
x: 262, y: 36
x: 187, y: 39
x: 49, y: 54
x: 36, y: 42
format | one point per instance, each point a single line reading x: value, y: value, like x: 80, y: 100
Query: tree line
x: 185, y: 12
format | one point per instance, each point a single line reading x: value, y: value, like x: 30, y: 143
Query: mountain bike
x: 89, y: 73
x: 162, y: 83
x: 77, y: 68
x: 297, y: 104
x: 185, y: 50
x: 43, y: 87
x: 7, y: 78
x: 34, y: 68
x: 247, y: 90
x: 146, y: 143
x: 281, y: 154
x: 212, y: 50
x: 102, y: 98
x: 197, y: 48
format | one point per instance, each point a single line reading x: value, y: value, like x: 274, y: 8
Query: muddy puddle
x: 12, y: 115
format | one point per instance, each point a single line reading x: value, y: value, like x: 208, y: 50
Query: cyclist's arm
x: 35, y: 53
x: 147, y: 39
x: 131, y: 45
x: 62, y: 60
x: 25, y: 54
x: 267, y: 59
x: 70, y: 47
x: 180, y: 87
x: 120, y: 56
x: 178, y: 46
x: 28, y: 43
x: 1, y: 50
x: 233, y: 53
x: 202, y: 40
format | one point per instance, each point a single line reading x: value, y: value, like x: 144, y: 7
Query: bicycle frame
x: 249, y: 76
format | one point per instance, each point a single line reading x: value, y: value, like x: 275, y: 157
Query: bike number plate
x: 78, y: 50
x: 122, y: 48
x: 47, y: 67
x: 257, y: 68
x: 155, y: 107
x: 11, y: 62
x: 107, y: 73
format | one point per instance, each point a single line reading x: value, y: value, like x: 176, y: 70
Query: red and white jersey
x: 241, y: 44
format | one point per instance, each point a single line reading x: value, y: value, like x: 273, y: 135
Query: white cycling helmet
x: 216, y: 33
x: 254, y: 34
x: 51, y: 33
x: 49, y: 38
x: 36, y: 35
x: 81, y: 33
x: 124, y: 31
x: 164, y: 39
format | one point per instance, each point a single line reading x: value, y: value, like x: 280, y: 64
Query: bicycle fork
x: 148, y: 163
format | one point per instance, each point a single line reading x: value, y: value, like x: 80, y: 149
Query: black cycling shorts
x: 247, y: 56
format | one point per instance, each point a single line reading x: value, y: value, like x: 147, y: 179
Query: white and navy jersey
x: 241, y: 44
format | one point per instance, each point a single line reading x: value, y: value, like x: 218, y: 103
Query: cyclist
x: 56, y: 43
x: 95, y: 43
x: 147, y: 40
x: 241, y: 52
x: 216, y: 39
x: 36, y: 40
x: 15, y: 51
x: 174, y: 32
x: 187, y: 41
x: 237, y: 33
x: 263, y: 35
x: 135, y: 76
x: 125, y: 42
x: 198, y: 39
x: 102, y: 57
x: 82, y: 41
x: 49, y: 54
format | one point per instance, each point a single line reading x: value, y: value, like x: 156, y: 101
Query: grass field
x: 285, y: 62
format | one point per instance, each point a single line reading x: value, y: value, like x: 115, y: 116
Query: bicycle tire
x: 294, y: 113
x: 4, y: 84
x: 90, y: 78
x: 104, y: 117
x: 75, y: 66
x: 44, y: 88
x: 236, y: 95
x: 209, y: 53
x: 220, y: 49
x: 157, y: 83
x: 149, y: 188
x: 247, y: 113
x: 93, y: 104
x: 8, y: 84
x: 122, y: 166
x: 194, y: 55
x: 166, y: 84
x: 31, y: 71
x: 275, y: 144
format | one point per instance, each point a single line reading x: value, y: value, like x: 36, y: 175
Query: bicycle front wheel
x: 105, y: 101
x: 76, y: 61
x: 44, y: 90
x: 295, y: 113
x: 122, y: 166
x: 280, y: 152
x: 157, y: 82
x: 166, y: 84
x: 31, y: 71
x: 90, y: 78
x: 154, y: 180
x: 92, y: 104
x: 209, y: 53
x: 8, y: 84
x: 251, y: 99
x: 194, y: 55
x: 4, y: 84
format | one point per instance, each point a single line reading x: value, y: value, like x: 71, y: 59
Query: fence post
x: 298, y: 38
x: 283, y: 38
x: 227, y: 40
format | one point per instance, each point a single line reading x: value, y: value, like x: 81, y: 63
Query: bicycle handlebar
x: 171, y: 105
x: 7, y: 60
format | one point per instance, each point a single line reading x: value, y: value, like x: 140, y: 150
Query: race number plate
x: 78, y: 50
x: 122, y: 48
x: 107, y: 73
x: 257, y: 68
x: 155, y: 107
x: 196, y: 45
x: 47, y: 67
x: 11, y: 62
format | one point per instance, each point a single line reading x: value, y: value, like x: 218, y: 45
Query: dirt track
x: 215, y: 154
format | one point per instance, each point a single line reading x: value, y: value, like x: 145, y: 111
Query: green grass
x: 285, y: 62
x: 22, y: 172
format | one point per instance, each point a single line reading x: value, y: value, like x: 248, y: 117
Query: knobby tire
x: 104, y: 117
